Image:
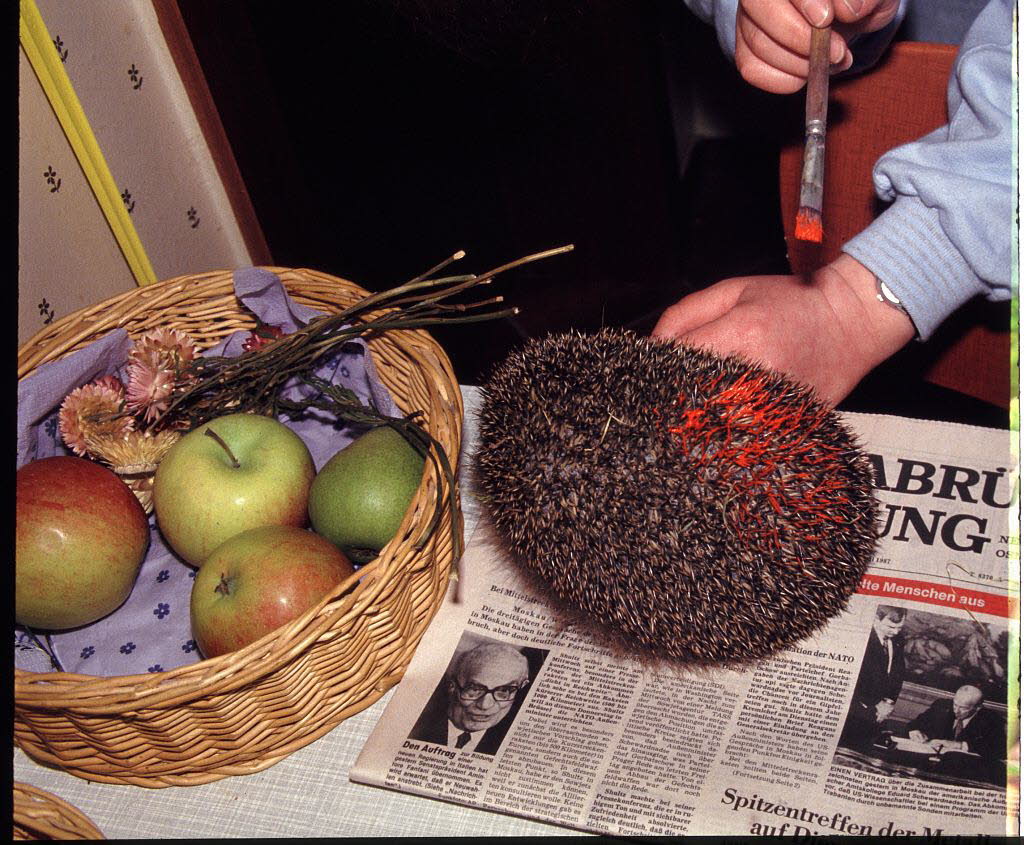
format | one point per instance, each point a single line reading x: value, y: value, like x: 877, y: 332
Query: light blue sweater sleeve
x: 948, y: 234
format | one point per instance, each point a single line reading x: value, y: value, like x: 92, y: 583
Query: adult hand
x: 917, y: 736
x: 883, y: 709
x: 773, y: 37
x: 827, y: 332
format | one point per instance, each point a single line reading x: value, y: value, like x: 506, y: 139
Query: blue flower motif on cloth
x: 192, y: 573
x: 50, y: 427
x: 189, y: 647
x: 127, y: 648
x: 344, y: 371
x: 88, y: 652
x: 161, y: 610
x: 157, y: 668
x: 163, y: 576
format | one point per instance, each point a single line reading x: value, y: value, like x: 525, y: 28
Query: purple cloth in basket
x: 150, y: 632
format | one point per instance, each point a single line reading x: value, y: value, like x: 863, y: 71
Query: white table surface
x: 307, y: 794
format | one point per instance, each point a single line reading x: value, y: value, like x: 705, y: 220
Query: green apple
x: 80, y: 538
x: 258, y: 580
x: 360, y: 496
x: 233, y: 473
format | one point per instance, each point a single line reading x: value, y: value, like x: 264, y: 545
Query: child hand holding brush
x: 773, y: 36
x: 946, y: 237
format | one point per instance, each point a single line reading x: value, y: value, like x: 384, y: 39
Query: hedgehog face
x: 676, y: 504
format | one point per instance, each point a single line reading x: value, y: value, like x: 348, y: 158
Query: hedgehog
x: 675, y: 504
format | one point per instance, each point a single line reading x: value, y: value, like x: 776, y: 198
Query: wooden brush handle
x: 817, y: 77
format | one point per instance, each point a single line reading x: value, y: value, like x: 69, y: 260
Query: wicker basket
x: 241, y: 712
x: 39, y: 814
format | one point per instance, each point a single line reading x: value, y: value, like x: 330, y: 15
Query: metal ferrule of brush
x: 812, y: 177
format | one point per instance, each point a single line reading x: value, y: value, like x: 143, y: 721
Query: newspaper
x: 609, y: 745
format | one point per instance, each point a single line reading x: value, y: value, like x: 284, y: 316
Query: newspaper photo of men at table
x: 930, y: 699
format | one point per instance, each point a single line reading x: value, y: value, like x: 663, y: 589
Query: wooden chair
x: 901, y: 99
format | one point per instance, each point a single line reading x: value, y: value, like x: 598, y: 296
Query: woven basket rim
x: 105, y: 312
x: 49, y: 815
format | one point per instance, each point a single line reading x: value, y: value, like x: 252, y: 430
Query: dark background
x: 377, y: 137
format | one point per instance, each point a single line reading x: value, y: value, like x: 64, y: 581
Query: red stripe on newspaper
x: 935, y: 593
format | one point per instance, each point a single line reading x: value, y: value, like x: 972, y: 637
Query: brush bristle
x: 808, y: 225
x: 675, y: 504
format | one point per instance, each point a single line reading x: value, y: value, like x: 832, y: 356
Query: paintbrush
x: 812, y: 176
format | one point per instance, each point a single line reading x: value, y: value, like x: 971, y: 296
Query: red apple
x: 258, y: 580
x: 81, y: 536
x: 226, y: 476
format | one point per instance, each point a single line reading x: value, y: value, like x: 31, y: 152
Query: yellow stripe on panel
x: 35, y: 40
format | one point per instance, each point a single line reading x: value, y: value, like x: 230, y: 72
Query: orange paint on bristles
x: 808, y: 225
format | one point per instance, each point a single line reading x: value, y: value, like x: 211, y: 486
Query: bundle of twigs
x: 254, y: 380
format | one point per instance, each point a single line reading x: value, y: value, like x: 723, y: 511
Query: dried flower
x: 157, y: 364
x: 135, y: 451
x: 112, y: 383
x: 134, y: 457
x: 93, y: 410
x: 171, y: 347
x: 261, y: 336
x: 149, y: 386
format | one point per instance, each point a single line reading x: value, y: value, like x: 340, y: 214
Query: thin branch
x: 250, y: 380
